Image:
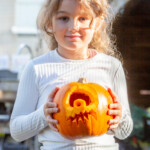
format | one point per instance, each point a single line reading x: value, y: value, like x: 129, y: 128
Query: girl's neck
x: 74, y: 54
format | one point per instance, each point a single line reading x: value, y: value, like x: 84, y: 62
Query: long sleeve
x: 126, y: 124
x: 26, y: 121
x: 46, y: 72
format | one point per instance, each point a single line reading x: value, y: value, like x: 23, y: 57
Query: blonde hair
x: 103, y: 39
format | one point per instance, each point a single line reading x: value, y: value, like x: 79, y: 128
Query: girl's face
x: 71, y: 26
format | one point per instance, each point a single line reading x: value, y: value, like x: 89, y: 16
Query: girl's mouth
x: 73, y: 36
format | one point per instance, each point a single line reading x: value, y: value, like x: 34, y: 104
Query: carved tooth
x: 86, y: 115
x: 93, y: 114
x: 73, y: 114
x: 77, y: 119
x: 83, y: 111
x: 82, y: 117
x: 71, y: 118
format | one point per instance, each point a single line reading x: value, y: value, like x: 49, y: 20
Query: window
x: 26, y: 12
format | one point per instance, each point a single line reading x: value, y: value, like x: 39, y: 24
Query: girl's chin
x: 72, y: 47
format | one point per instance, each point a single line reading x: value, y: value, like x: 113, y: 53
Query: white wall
x: 9, y: 41
x: 25, y: 16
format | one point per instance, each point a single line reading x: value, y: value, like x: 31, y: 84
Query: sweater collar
x: 59, y: 58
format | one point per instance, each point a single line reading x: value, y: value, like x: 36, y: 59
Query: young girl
x: 82, y: 48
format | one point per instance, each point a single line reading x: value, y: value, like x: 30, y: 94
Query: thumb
x: 53, y: 93
x: 113, y: 95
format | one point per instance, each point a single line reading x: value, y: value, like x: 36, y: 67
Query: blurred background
x: 20, y: 42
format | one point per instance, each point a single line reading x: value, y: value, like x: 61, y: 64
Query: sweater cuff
x: 42, y: 115
x: 123, y: 115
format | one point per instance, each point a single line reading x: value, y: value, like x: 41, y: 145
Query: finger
x: 53, y: 93
x: 114, y: 112
x: 113, y: 95
x: 115, y: 106
x: 51, y: 121
x: 51, y: 104
x: 113, y: 126
x: 53, y: 128
x: 114, y: 121
x: 51, y: 110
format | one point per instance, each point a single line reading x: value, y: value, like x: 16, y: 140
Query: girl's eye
x: 63, y: 18
x: 82, y: 18
x: 85, y: 18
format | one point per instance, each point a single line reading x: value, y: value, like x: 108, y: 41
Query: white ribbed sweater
x: 46, y: 72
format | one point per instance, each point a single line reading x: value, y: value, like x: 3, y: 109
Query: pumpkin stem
x: 82, y: 80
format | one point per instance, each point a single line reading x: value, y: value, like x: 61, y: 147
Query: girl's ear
x: 99, y: 23
x: 50, y: 28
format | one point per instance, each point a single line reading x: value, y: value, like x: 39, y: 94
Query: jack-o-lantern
x: 82, y: 109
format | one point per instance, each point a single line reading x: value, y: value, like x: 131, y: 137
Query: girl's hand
x: 49, y: 108
x: 116, y: 111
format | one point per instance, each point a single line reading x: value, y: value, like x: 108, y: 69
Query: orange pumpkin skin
x: 82, y: 110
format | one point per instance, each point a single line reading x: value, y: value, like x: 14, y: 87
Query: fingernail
x: 109, y: 106
x: 108, y: 112
x: 57, y: 88
x: 56, y: 109
x: 108, y: 121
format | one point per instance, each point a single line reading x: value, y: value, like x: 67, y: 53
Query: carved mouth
x: 83, y: 116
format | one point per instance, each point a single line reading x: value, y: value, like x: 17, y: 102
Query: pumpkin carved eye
x: 82, y: 96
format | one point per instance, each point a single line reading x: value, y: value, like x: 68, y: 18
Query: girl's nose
x: 73, y: 26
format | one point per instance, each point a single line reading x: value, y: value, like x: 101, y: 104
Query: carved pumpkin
x: 82, y: 110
